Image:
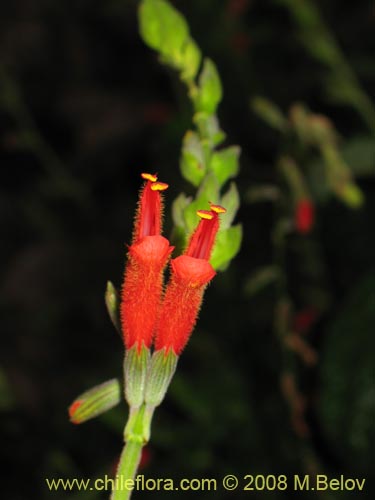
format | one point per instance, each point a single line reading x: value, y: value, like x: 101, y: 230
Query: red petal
x: 194, y: 272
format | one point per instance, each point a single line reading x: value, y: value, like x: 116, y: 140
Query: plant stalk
x: 130, y: 455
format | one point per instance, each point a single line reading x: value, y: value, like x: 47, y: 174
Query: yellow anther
x: 159, y: 186
x: 205, y: 214
x: 149, y: 177
x: 218, y: 208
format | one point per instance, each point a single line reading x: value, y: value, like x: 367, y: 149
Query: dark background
x: 85, y: 107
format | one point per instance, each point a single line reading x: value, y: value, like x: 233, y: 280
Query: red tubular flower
x: 190, y: 274
x: 304, y: 216
x: 147, y: 257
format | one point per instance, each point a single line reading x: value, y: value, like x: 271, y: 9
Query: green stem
x: 127, y: 469
x: 137, y: 434
x: 131, y: 455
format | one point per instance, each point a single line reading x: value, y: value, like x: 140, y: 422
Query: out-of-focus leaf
x: 231, y: 202
x: 164, y: 29
x: 270, y: 113
x: 209, y: 127
x: 351, y: 195
x: 261, y: 279
x: 340, y: 178
x: 227, y: 245
x: 191, y: 60
x: 293, y: 177
x: 178, y: 207
x: 225, y: 164
x: 359, y: 154
x: 341, y: 84
x: 210, y: 90
x: 262, y: 193
x: 346, y: 405
x: 192, y: 161
x: 299, y: 118
x: 321, y: 130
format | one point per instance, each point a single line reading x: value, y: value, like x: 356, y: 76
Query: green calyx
x: 146, y: 383
x: 136, y: 364
x: 162, y: 368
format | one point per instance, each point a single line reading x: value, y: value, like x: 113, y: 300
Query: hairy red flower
x: 304, y: 216
x: 190, y: 274
x: 147, y: 257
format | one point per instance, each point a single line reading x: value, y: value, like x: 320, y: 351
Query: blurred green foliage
x: 86, y: 107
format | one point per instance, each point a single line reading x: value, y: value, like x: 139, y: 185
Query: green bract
x: 112, y: 302
x: 95, y: 401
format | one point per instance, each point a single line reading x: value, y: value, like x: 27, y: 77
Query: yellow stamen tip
x: 149, y: 177
x: 205, y: 214
x: 218, y: 209
x: 159, y: 186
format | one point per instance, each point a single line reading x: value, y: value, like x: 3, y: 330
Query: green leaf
x: 190, y: 214
x: 164, y: 29
x: 225, y: 163
x: 227, y: 245
x: 192, y: 161
x: 210, y: 90
x: 208, y: 126
x: 231, y: 202
x: 270, y: 113
x: 299, y: 117
x: 208, y: 192
x: 95, y: 401
x: 340, y: 178
x: 180, y: 231
x: 178, y: 207
x: 191, y: 60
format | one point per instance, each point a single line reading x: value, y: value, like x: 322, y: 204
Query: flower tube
x: 190, y: 274
x: 147, y: 257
